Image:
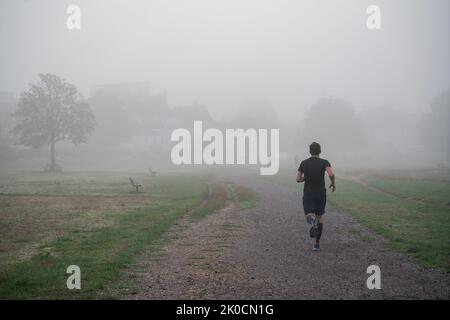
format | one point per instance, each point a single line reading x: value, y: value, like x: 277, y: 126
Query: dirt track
x: 265, y: 253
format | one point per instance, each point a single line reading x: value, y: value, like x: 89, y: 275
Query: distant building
x: 186, y: 115
x: 139, y: 123
x: 121, y: 90
x: 130, y: 117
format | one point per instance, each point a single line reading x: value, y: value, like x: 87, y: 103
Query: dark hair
x: 314, y: 149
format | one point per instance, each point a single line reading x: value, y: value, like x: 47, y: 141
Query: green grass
x: 214, y: 199
x: 421, y: 231
x: 433, y: 192
x: 101, y: 239
x: 243, y: 197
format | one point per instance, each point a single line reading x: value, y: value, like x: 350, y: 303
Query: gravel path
x: 265, y: 253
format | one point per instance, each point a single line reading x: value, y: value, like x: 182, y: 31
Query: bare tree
x: 52, y: 111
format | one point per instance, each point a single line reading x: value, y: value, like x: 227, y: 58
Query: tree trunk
x: 52, y: 133
x: 52, y: 159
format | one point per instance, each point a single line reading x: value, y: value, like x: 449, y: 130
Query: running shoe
x: 313, y: 231
x: 311, y: 219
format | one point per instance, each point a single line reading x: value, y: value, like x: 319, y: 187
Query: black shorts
x: 314, y: 202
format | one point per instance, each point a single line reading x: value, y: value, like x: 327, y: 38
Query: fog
x: 372, y: 98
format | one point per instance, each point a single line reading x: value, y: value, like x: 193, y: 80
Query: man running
x: 312, y: 172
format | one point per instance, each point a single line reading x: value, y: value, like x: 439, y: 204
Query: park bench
x: 137, y: 186
x: 152, y: 172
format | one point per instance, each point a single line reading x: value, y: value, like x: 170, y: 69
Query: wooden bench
x: 152, y: 172
x: 137, y: 186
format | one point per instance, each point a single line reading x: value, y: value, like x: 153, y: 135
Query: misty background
x: 311, y: 68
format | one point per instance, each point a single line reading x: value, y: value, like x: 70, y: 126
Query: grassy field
x: 97, y: 221
x: 94, y: 220
x: 410, y: 210
x: 428, y: 191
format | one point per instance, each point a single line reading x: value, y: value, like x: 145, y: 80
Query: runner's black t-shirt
x: 314, y: 171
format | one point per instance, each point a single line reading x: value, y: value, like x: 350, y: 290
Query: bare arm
x: 332, y: 178
x: 300, y: 177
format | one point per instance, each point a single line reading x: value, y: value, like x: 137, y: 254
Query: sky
x: 222, y: 53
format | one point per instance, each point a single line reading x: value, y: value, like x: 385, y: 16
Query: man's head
x: 314, y: 149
